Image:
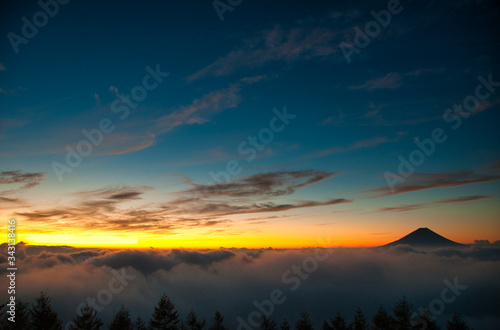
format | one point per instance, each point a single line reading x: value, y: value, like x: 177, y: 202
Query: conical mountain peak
x: 424, y: 237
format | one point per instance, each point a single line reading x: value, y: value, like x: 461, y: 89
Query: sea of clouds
x: 237, y: 281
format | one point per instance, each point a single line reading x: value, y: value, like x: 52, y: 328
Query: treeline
x: 41, y: 316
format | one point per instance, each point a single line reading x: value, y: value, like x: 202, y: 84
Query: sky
x: 199, y: 124
x: 218, y: 151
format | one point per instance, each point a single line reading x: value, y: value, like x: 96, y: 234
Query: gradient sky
x: 321, y: 172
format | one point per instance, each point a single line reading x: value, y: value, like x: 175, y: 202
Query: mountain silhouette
x: 424, y: 237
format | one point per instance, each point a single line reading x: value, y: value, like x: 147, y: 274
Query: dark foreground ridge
x: 424, y: 237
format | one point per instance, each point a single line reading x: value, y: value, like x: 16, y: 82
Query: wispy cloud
x: 94, y: 203
x: 6, y: 123
x: 199, y: 206
x: 389, y: 81
x: 411, y: 207
x: 137, y: 144
x: 200, y: 110
x: 423, y: 181
x: 251, y: 194
x: 277, y: 183
x: 485, y: 105
x: 276, y: 44
x: 375, y: 117
x: 104, y: 209
x: 114, y: 193
x: 8, y: 203
x: 254, y: 79
x: 27, y: 180
x: 97, y: 100
x: 142, y: 135
x: 10, y: 200
x: 134, y: 135
x: 226, y: 209
x: 334, y: 120
x: 392, y: 79
x: 361, y: 144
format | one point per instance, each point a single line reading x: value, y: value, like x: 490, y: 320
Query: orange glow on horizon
x: 290, y: 234
x: 192, y: 242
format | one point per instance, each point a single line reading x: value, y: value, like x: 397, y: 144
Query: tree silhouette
x: 43, y: 317
x: 382, y: 320
x: 337, y: 323
x: 304, y: 322
x: 88, y: 320
x: 165, y: 317
x: 285, y: 325
x: 139, y: 324
x: 121, y: 320
x: 192, y: 322
x: 326, y: 325
x: 218, y: 321
x: 266, y: 323
x: 424, y: 321
x: 22, y: 317
x: 456, y: 323
x: 402, y: 314
x: 359, y: 322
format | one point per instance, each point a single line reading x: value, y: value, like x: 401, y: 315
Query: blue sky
x: 353, y: 119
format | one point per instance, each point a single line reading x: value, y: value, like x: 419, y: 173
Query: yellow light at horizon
x: 79, y: 240
x: 190, y: 242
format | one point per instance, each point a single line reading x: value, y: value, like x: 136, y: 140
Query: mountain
x: 424, y: 237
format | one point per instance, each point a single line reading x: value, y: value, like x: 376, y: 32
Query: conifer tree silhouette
x: 359, y: 322
x: 87, y: 320
x: 140, y: 324
x: 121, y: 320
x: 337, y: 323
x: 456, y: 323
x: 424, y: 321
x: 165, y: 317
x: 192, y: 322
x: 382, y: 320
x: 285, y: 325
x: 42, y: 316
x: 266, y: 323
x: 218, y: 322
x: 304, y: 322
x: 22, y: 317
x: 402, y: 313
x: 326, y: 325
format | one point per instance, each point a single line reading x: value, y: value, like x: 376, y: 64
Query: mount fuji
x: 424, y: 237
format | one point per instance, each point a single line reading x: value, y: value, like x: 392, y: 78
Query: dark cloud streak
x: 411, y: 207
x: 423, y: 181
x: 28, y: 180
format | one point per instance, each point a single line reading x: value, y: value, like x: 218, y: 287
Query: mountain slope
x: 424, y: 237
